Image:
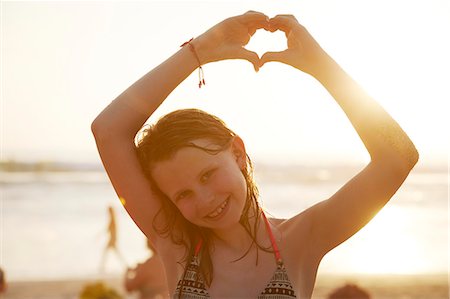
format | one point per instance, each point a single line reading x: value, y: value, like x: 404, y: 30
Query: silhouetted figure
x: 349, y: 291
x: 148, y: 278
x: 112, y: 242
x: 2, y: 281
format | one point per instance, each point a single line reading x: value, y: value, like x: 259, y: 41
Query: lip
x: 224, y: 211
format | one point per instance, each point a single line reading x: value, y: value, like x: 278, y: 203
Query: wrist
x: 324, y: 68
x: 203, y: 49
x: 193, y: 48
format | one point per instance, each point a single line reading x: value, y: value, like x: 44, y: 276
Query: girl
x: 188, y: 182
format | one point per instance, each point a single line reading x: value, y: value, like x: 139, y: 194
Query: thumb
x: 250, y: 56
x: 272, y: 56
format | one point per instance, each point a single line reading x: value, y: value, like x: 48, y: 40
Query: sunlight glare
x: 264, y: 41
x: 384, y: 246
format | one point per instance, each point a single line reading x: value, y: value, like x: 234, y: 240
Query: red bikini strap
x: 272, y: 239
x: 198, y: 247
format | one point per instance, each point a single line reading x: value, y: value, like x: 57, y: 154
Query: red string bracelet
x: 201, y: 77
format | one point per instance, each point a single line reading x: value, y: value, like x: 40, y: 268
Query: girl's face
x: 208, y: 189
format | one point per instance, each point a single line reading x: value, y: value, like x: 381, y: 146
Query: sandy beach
x: 380, y: 287
x: 56, y: 289
x: 389, y: 287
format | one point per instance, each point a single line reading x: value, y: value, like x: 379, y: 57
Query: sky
x: 63, y: 62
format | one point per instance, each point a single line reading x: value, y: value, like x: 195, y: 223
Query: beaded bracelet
x: 201, y: 77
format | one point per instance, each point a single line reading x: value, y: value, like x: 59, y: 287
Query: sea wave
x: 53, y: 177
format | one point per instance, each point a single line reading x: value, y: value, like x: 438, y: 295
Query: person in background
x: 2, y: 281
x: 349, y: 291
x: 148, y: 279
x: 112, y: 240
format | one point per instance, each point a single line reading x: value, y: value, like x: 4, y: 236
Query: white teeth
x: 219, y: 210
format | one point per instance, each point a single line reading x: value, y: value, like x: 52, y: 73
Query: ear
x: 238, y: 149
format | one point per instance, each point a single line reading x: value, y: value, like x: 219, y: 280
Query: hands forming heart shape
x: 227, y: 40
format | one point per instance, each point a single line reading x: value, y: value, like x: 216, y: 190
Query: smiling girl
x: 188, y: 185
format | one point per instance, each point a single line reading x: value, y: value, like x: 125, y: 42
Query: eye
x: 205, y: 177
x: 183, y: 195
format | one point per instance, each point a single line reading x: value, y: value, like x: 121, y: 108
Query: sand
x: 380, y: 287
x: 57, y: 289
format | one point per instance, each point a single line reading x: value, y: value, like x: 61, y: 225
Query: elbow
x: 414, y: 157
x: 400, y: 163
x: 94, y: 127
x: 107, y: 134
x: 100, y: 127
x: 408, y: 160
x: 411, y: 156
x: 99, y: 130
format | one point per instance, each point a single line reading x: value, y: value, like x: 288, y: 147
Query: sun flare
x: 385, y: 246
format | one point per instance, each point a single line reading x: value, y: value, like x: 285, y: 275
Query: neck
x: 237, y: 239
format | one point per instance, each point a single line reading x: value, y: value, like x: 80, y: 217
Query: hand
x: 227, y: 39
x: 303, y: 52
x: 130, y: 273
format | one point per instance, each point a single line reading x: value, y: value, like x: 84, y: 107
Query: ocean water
x: 53, y: 224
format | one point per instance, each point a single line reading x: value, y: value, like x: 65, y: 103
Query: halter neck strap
x: 272, y: 240
x: 198, y: 247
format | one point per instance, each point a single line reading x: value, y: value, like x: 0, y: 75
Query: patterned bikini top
x: 192, y: 285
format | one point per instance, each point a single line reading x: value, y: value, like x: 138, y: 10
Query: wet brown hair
x: 159, y: 142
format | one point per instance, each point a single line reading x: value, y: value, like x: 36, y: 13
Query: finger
x: 279, y: 24
x: 250, y: 56
x: 272, y: 56
x: 253, y: 29
x: 254, y: 20
x: 251, y: 14
x: 282, y: 22
x: 284, y: 18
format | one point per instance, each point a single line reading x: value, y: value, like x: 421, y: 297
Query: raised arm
x: 116, y: 126
x: 392, y: 154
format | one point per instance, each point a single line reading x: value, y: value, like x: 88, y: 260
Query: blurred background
x: 63, y: 62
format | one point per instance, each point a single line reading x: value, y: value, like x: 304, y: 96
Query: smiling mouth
x: 217, y: 212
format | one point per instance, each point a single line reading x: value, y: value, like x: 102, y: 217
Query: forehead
x: 185, y: 166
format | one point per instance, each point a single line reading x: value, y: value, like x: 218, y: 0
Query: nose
x: 205, y: 197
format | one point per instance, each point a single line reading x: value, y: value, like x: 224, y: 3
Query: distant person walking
x: 148, y: 278
x: 2, y: 282
x: 112, y: 242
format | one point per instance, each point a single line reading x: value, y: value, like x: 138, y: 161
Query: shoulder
x: 293, y: 237
x: 294, y: 234
x: 173, y: 258
x: 295, y: 227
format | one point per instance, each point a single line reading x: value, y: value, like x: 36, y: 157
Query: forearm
x: 128, y: 112
x: 226, y: 40
x: 382, y: 136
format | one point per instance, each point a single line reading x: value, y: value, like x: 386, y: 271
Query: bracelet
x: 201, y: 77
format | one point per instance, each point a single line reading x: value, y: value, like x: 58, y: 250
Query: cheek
x: 232, y: 181
x: 187, y: 210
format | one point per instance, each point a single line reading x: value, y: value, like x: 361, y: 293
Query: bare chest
x: 242, y: 279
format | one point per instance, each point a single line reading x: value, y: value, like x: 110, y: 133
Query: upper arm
x: 131, y: 185
x: 354, y: 205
